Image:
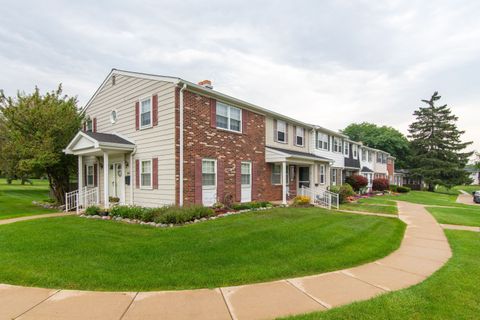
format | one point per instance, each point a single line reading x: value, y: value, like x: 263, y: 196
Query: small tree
x: 357, y: 182
x: 36, y: 128
x: 437, y: 146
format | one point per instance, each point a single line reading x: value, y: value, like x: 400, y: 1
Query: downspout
x: 132, y: 165
x: 180, y: 182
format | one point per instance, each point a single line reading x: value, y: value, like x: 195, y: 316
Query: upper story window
x: 146, y: 113
x: 337, y: 145
x: 322, y: 141
x: 384, y: 158
x: 281, y: 131
x: 299, y: 136
x: 228, y: 117
x: 379, y: 157
x: 364, y: 155
x: 355, y: 151
x: 369, y: 155
x: 346, y: 147
x: 89, y: 125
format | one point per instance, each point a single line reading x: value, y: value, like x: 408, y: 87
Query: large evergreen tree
x: 437, y: 148
x: 381, y: 137
x: 35, y: 129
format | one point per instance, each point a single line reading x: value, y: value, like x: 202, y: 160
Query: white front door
x: 246, y: 190
x: 115, y: 177
x: 209, y: 182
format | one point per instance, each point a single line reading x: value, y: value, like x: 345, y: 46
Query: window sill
x: 229, y: 131
x: 146, y: 127
x: 146, y: 188
x: 282, y: 142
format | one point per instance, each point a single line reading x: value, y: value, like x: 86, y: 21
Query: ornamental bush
x: 344, y: 191
x: 402, y: 189
x: 251, y: 205
x: 380, y: 184
x: 301, y: 201
x: 357, y: 182
x: 92, y: 211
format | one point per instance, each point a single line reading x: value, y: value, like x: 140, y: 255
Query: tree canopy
x: 437, y: 146
x: 35, y: 128
x: 381, y: 137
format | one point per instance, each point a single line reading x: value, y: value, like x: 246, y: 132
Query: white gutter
x: 180, y: 182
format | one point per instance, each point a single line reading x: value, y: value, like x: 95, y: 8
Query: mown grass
x: 450, y: 293
x: 370, y: 207
x: 468, y: 189
x: 16, y: 199
x: 427, y: 198
x: 377, y: 200
x: 459, y: 216
x: 77, y: 253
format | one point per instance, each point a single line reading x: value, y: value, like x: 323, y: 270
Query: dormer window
x: 299, y: 136
x: 281, y: 131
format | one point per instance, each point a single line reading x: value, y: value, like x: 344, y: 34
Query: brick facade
x: 201, y: 140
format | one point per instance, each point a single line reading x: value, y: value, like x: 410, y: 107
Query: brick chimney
x: 206, y: 83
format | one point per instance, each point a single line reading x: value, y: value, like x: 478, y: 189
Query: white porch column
x: 131, y: 166
x: 284, y: 182
x: 106, y: 186
x: 80, y: 172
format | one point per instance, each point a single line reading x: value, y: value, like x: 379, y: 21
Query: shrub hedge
x: 357, y: 182
x: 251, y: 205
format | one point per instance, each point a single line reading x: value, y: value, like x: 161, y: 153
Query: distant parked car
x: 476, y: 197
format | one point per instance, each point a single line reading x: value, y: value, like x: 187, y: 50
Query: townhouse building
x: 152, y: 140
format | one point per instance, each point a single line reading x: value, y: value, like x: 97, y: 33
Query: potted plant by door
x: 114, y: 200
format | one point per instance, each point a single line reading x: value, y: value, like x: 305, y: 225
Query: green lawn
x: 78, y: 253
x: 428, y: 198
x: 451, y: 293
x: 370, y: 207
x: 16, y: 199
x: 460, y: 216
x: 468, y: 189
x: 377, y: 200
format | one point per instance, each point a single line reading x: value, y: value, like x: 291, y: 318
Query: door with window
x: 115, y: 176
x: 246, y: 194
x: 303, y: 177
x: 209, y: 182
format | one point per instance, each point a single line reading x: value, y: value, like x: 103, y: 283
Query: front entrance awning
x: 96, y: 143
x: 273, y: 155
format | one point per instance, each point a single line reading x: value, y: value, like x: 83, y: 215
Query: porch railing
x: 81, y: 199
x: 321, y: 197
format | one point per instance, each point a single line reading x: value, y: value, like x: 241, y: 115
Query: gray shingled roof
x: 365, y: 169
x: 298, y: 153
x: 108, y: 138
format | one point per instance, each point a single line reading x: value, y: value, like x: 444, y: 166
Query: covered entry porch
x: 104, y: 169
x: 295, y: 170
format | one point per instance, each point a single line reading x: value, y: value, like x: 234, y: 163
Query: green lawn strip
x: 459, y: 216
x: 372, y: 208
x: 450, y: 293
x: 78, y: 253
x: 468, y: 189
x: 428, y: 198
x: 377, y: 200
x: 16, y: 199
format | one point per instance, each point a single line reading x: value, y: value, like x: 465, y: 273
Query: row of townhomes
x: 152, y: 140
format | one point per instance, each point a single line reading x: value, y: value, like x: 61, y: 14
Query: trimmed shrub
x: 128, y: 212
x: 177, y: 215
x: 344, y: 191
x: 250, y: 205
x: 402, y: 189
x: 301, y: 201
x: 380, y: 184
x: 357, y: 182
x: 93, y: 211
x: 393, y: 188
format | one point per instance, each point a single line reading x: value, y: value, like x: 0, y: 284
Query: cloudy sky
x: 324, y: 62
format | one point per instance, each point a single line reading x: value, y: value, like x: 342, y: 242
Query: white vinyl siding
x: 228, y: 117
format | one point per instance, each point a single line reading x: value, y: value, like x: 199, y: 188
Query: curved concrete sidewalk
x: 423, y: 251
x: 38, y: 216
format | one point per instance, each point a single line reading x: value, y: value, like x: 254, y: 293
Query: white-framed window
x: 321, y: 173
x: 379, y: 157
x: 228, y: 117
x: 277, y: 173
x: 209, y: 173
x: 355, y: 151
x: 89, y: 125
x: 246, y: 171
x: 113, y: 116
x: 281, y: 131
x: 90, y: 176
x: 146, y: 174
x: 369, y: 155
x: 346, y: 147
x: 299, y: 136
x: 364, y: 155
x: 334, y: 177
x: 384, y: 158
x: 146, y: 113
x: 322, y: 141
x: 337, y: 145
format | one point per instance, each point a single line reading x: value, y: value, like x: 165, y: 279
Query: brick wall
x: 203, y: 141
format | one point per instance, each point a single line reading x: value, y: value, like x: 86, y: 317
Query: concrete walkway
x: 423, y: 251
x: 466, y: 198
x: 38, y: 216
x: 458, y: 227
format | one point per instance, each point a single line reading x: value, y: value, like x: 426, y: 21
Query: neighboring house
x: 380, y: 165
x: 152, y: 140
x: 391, y: 169
x: 474, y: 174
x: 367, y: 164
